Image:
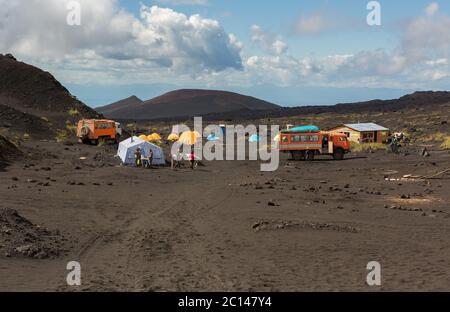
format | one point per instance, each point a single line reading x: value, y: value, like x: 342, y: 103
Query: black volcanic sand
x: 8, y: 151
x: 225, y: 226
x: 21, y: 238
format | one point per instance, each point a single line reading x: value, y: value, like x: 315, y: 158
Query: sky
x: 287, y: 52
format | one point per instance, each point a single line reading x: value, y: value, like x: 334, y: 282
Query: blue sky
x: 288, y: 52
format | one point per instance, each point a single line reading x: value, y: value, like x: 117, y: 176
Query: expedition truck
x: 96, y: 130
x: 306, y: 145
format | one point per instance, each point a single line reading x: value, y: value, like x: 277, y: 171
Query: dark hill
x: 185, y: 103
x: 110, y: 109
x: 32, y: 101
x: 7, y: 151
x: 36, y: 89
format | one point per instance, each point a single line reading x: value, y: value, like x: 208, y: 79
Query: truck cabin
x: 93, y: 130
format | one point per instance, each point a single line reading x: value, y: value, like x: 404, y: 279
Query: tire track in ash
x: 115, y: 260
x: 188, y: 256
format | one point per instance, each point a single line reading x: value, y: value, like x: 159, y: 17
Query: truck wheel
x: 338, y: 154
x: 84, y: 131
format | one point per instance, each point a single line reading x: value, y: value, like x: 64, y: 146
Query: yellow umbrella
x: 143, y: 137
x: 150, y: 138
x: 156, y: 137
x: 189, y: 137
x: 173, y: 137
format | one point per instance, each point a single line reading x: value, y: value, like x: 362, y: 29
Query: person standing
x: 150, y: 157
x: 137, y: 157
x: 192, y: 158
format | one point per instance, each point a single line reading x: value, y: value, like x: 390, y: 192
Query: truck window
x: 315, y: 138
x: 104, y: 126
x: 305, y: 138
x: 284, y: 138
x: 296, y: 138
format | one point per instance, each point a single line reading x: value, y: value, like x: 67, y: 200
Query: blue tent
x: 212, y: 137
x: 309, y: 128
x: 254, y: 138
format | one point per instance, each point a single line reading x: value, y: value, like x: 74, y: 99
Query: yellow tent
x: 173, y: 137
x: 143, y: 137
x: 156, y: 137
x: 189, y: 137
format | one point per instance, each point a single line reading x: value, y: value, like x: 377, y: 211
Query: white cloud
x: 438, y: 62
x: 421, y: 56
x: 427, y: 35
x: 161, y: 45
x: 268, y: 41
x: 184, y: 2
x: 162, y: 37
x: 318, y: 22
x: 432, y: 9
x: 311, y: 24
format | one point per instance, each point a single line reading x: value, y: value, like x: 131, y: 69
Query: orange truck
x: 307, y: 145
x: 95, y: 130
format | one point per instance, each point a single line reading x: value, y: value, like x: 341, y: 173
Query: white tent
x: 128, y: 147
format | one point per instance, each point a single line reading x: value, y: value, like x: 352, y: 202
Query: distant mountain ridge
x: 159, y: 112
x: 184, y: 103
x: 120, y: 105
x: 416, y: 100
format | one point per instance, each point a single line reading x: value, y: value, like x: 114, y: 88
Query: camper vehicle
x: 96, y: 130
x: 305, y: 145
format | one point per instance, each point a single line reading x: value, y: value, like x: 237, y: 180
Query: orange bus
x: 306, y: 145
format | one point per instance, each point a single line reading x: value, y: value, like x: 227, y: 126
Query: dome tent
x: 128, y: 147
x: 173, y: 137
x: 156, y: 137
x: 143, y: 137
x: 213, y: 137
x: 254, y: 138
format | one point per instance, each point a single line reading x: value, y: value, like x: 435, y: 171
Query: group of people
x: 177, y: 158
x: 395, y: 141
x: 143, y: 160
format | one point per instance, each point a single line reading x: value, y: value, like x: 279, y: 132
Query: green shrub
x: 435, y: 137
x: 363, y: 147
x: 73, y: 112
x: 71, y: 127
x: 61, y: 136
x: 446, y: 144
